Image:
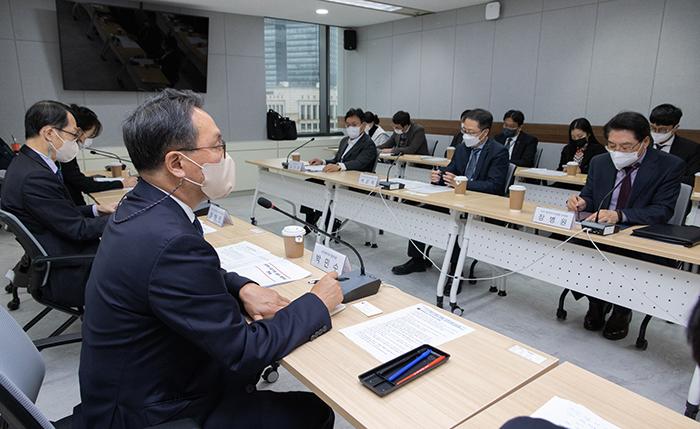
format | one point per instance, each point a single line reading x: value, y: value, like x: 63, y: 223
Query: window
x: 303, y: 73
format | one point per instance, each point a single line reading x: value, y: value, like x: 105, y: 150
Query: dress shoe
x: 595, y: 317
x: 618, y: 325
x: 414, y: 265
x: 448, y: 288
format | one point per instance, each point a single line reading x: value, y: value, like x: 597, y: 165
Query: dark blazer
x: 689, y: 152
x: 34, y: 194
x: 491, y: 169
x: 362, y: 156
x: 164, y: 333
x: 78, y: 183
x: 524, y: 149
x: 413, y: 142
x: 569, y: 150
x: 654, y: 192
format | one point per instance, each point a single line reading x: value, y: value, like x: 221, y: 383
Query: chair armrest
x: 177, y: 424
x: 63, y: 260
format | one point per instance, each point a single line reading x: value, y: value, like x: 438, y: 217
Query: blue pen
x: 400, y: 372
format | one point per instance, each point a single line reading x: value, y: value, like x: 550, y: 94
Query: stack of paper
x: 313, y: 168
x: 421, y: 187
x: 545, y: 172
x: 259, y: 265
x: 571, y: 415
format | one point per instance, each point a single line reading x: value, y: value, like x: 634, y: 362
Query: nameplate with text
x: 218, y: 216
x: 368, y: 180
x: 552, y: 217
x: 326, y: 259
x: 295, y: 165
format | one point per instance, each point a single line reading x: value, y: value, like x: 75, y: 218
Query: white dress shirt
x: 666, y: 147
x: 187, y: 209
x: 351, y: 144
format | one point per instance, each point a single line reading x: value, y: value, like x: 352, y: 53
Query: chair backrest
x: 432, y: 152
x: 681, y: 205
x: 22, y: 371
x: 538, y: 156
x: 31, y: 246
x: 509, y: 177
x: 6, y: 155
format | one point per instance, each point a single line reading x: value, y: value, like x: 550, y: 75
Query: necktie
x: 198, y: 226
x: 625, y: 188
x: 471, y: 165
x: 509, y: 142
x: 60, y: 175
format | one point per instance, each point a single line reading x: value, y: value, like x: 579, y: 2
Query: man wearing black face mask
x: 522, y: 147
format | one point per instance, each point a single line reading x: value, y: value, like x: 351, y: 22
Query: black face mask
x: 580, y: 142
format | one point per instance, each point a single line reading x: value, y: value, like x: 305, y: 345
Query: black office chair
x: 39, y: 268
x: 432, y: 152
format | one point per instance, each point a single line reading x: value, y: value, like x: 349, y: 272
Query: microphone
x: 111, y: 155
x: 605, y: 228
x: 285, y: 164
x: 390, y: 185
x: 355, y: 284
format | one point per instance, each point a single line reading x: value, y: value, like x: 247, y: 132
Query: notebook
x: 685, y: 235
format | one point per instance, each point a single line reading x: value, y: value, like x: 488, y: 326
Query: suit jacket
x: 689, y: 152
x: 654, y: 191
x: 164, y: 333
x: 362, y: 156
x: 524, y: 149
x: 35, y: 194
x: 78, y: 183
x: 414, y: 141
x: 529, y: 423
x: 569, y: 150
x: 491, y: 169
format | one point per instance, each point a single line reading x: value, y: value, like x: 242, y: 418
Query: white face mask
x: 661, y: 138
x: 353, y: 132
x: 87, y: 143
x: 399, y: 132
x: 219, y: 178
x: 67, y: 152
x: 470, y: 140
x: 623, y: 159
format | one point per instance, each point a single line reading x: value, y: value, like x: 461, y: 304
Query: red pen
x: 428, y: 366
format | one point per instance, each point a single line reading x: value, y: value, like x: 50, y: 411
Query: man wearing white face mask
x: 356, y: 150
x: 665, y: 119
x: 165, y: 335
x: 645, y: 184
x: 34, y: 192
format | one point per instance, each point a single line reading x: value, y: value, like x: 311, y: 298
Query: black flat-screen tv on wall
x: 109, y: 48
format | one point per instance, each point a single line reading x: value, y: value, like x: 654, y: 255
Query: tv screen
x: 108, y: 48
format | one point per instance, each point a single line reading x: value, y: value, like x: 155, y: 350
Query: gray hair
x: 161, y: 124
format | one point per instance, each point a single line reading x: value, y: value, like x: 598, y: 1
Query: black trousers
x: 267, y: 409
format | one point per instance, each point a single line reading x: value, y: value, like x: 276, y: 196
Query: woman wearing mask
x: 374, y: 130
x: 582, y: 145
x: 76, y: 182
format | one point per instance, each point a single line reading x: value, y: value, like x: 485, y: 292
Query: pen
x: 400, y: 372
x: 428, y: 366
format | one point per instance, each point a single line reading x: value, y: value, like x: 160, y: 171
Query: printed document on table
x: 314, y: 168
x: 396, y: 333
x: 571, y: 415
x: 422, y: 188
x: 259, y: 265
x: 545, y: 172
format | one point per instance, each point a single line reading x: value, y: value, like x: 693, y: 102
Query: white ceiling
x: 305, y: 10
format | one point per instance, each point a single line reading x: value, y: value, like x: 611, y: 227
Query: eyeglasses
x: 76, y: 135
x: 662, y: 129
x: 221, y: 145
x: 625, y: 147
x: 471, y: 133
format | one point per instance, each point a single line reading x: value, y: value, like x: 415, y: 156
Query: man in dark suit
x: 646, y: 185
x: 521, y: 146
x: 165, y: 335
x: 482, y: 160
x: 34, y: 192
x: 408, y: 137
x: 665, y: 119
x: 76, y: 182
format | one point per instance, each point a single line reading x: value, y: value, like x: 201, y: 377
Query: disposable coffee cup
x: 116, y: 169
x: 296, y: 156
x: 450, y: 152
x: 572, y: 168
x: 293, y: 241
x: 461, y: 185
x: 517, y: 197
x: 696, y: 188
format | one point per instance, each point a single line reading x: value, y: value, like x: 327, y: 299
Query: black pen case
x: 377, y: 378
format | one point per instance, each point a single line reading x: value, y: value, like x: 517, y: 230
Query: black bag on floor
x: 280, y: 128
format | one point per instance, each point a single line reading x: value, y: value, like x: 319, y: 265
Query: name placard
x: 368, y: 180
x: 295, y: 165
x: 218, y: 216
x: 326, y: 259
x: 552, y: 217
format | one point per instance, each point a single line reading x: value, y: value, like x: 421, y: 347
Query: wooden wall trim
x: 549, y: 133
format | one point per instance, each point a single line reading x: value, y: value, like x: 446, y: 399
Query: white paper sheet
x: 207, y: 229
x: 259, y: 265
x: 421, y: 187
x: 571, y: 415
x: 127, y: 42
x: 545, y: 172
x: 433, y: 158
x: 388, y: 336
x: 108, y: 179
x: 314, y: 168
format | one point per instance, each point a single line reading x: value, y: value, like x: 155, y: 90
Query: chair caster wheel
x: 492, y: 289
x: 8, y: 288
x: 381, y: 232
x: 374, y: 246
x: 13, y: 305
x: 456, y: 309
x: 502, y: 293
x: 561, y: 314
x: 270, y: 375
x: 253, y: 221
x: 691, y: 410
x: 368, y: 244
x: 473, y: 282
x: 641, y: 343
